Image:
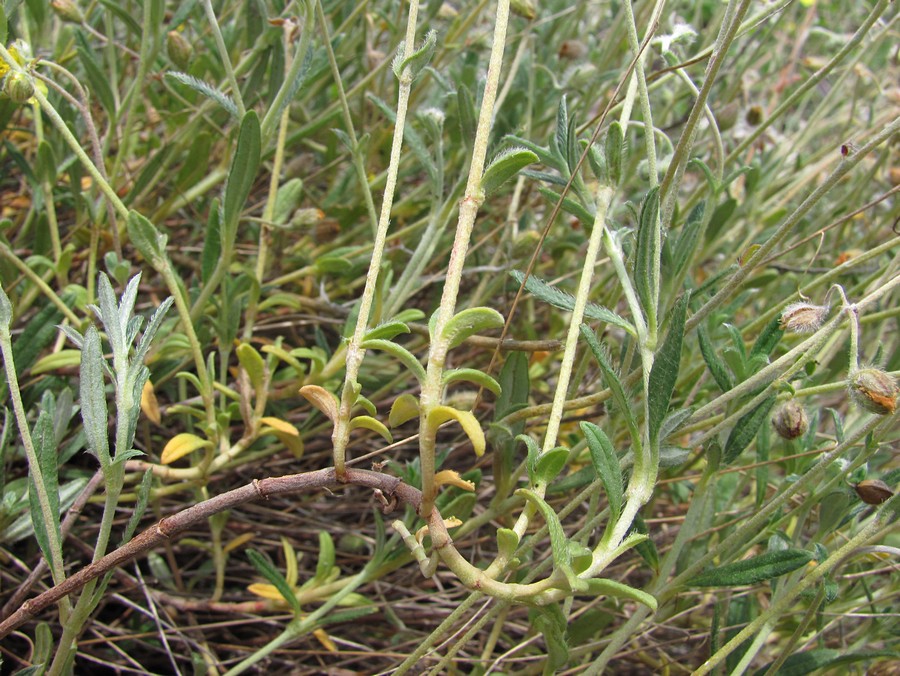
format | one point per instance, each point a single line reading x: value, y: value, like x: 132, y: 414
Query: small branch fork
x: 166, y: 529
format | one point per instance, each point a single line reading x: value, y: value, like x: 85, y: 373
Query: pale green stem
x: 669, y: 188
x: 355, y: 153
x: 734, y: 282
x: 39, y: 283
x: 468, y: 209
x: 224, y: 57
x: 355, y: 353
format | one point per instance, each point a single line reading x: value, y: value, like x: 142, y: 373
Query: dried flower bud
x: 873, y: 491
x: 754, y: 115
x: 67, y: 11
x: 874, y: 390
x: 18, y: 87
x: 803, y: 317
x: 179, y: 49
x: 790, y: 420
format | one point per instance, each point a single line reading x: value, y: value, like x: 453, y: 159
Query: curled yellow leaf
x: 452, y: 478
x: 285, y: 432
x: 322, y: 399
x: 149, y: 403
x: 181, y: 445
x: 452, y: 522
x: 404, y: 408
x: 441, y: 414
x: 267, y: 591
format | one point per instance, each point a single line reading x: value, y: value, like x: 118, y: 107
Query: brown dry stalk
x: 164, y: 530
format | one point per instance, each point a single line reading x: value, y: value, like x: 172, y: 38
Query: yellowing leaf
x: 286, y: 433
x: 404, y: 408
x: 279, y: 425
x: 239, y: 541
x: 326, y: 642
x: 267, y: 591
x: 441, y: 414
x: 181, y: 445
x: 254, y: 365
x: 322, y: 399
x: 451, y: 477
x: 149, y: 404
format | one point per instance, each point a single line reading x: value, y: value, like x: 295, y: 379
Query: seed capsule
x: 790, y: 420
x: 873, y: 491
x: 803, y: 317
x: 874, y: 390
x: 19, y: 87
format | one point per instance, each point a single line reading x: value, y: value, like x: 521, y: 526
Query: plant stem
x: 224, y: 57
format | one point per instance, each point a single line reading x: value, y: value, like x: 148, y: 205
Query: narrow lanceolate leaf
x: 618, y: 590
x: 93, y: 396
x: 665, y: 368
x: 768, y: 339
x: 506, y: 165
x: 204, y: 89
x: 745, y: 430
x: 614, y: 384
x: 244, y: 166
x: 606, y: 464
x: 404, y: 356
x: 647, y: 253
x: 418, y: 60
x: 322, y: 399
x: 751, y: 571
x: 562, y: 555
x: 181, y: 445
x: 146, y: 238
x: 469, y: 322
x: 265, y: 568
x: 687, y: 242
x: 551, y: 622
x: 45, y: 448
x: 441, y: 414
x: 714, y: 363
x: 325, y: 564
x: 564, y: 301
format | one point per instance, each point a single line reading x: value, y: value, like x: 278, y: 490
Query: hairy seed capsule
x: 67, y: 11
x: 803, y: 317
x: 873, y: 491
x: 179, y: 49
x: 874, y: 390
x: 790, y: 420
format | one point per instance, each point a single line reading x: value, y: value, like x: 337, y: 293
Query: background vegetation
x: 706, y: 476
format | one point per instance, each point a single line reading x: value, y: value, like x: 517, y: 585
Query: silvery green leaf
x: 416, y: 61
x: 45, y: 449
x: 206, y: 90
x: 94, y: 411
x: 503, y: 167
x: 152, y: 327
x: 126, y: 303
x: 73, y: 335
x: 614, y: 384
x: 6, y: 312
x: 606, y: 464
x: 244, y: 166
x: 665, y: 368
x: 146, y: 238
x: 646, y: 253
x: 753, y: 570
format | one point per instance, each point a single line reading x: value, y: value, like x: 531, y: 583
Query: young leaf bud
x: 803, y: 317
x: 790, y: 420
x: 874, y: 390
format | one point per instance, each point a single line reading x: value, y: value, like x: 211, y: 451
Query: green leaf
x: 404, y: 408
x: 3, y: 25
x: 598, y: 587
x: 370, y: 423
x: 569, y: 205
x: 565, y: 301
x: 646, y: 253
x: 387, y: 331
x: 254, y: 365
x: 45, y: 449
x: 547, y: 466
x: 45, y: 164
x: 507, y: 542
x: 244, y: 166
x: 533, y: 451
x: 514, y: 385
x: 745, y: 429
x: 92, y: 391
x: 326, y: 559
x: 472, y: 375
x: 404, y: 356
x: 140, y: 505
x: 441, y: 414
x: 756, y: 569
x: 559, y: 544
x: 147, y: 239
x: 96, y: 75
x: 212, y: 243
x: 506, y: 165
x: 561, y: 139
x: 470, y: 321
x: 714, y: 363
x: 606, y: 464
x: 646, y: 548
x: 551, y: 622
x: 614, y: 384
x: 768, y: 339
x: 465, y: 107
x: 615, y: 151
x: 665, y: 368
x: 265, y: 568
x: 418, y: 60
x: 687, y: 242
